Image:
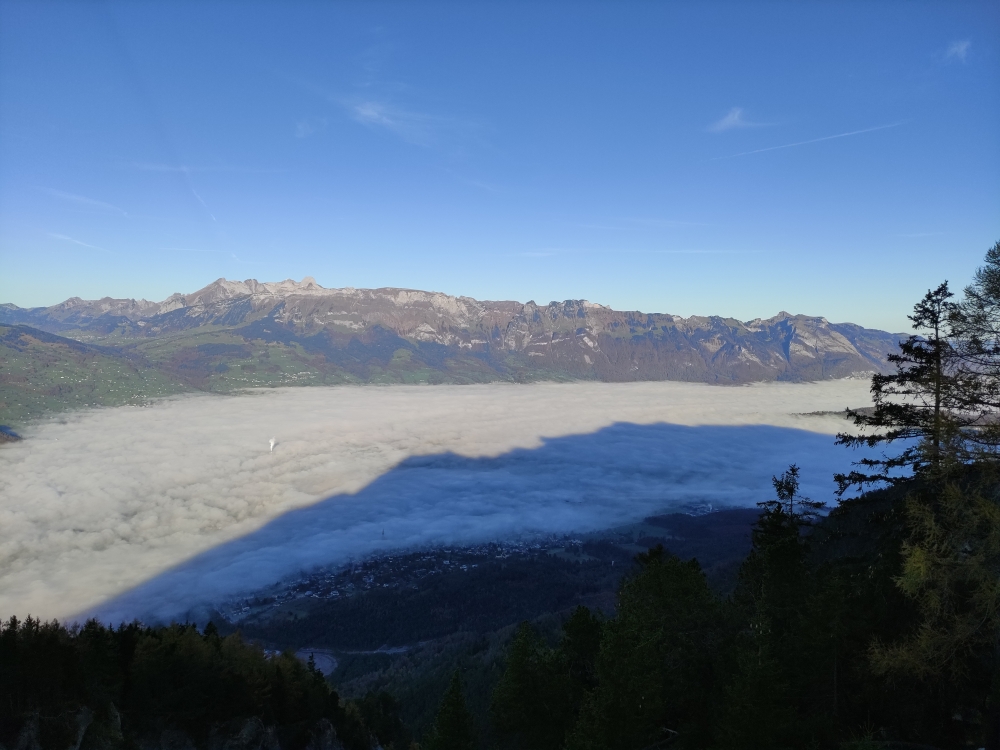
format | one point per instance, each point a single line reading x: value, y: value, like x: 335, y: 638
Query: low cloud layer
x: 152, y: 511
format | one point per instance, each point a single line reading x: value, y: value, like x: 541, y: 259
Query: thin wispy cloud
x: 812, y: 140
x: 382, y: 106
x: 958, y: 50
x: 916, y: 235
x: 733, y: 120
x: 413, y: 127
x: 379, y: 109
x: 82, y: 200
x: 67, y: 238
x: 310, y: 126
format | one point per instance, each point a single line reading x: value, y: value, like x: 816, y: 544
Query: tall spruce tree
x: 533, y: 703
x: 976, y: 321
x: 772, y: 660
x: 945, y: 397
x: 978, y: 315
x: 923, y: 402
x: 654, y: 667
x: 453, y: 727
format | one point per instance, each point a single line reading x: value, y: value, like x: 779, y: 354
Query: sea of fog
x: 149, y: 512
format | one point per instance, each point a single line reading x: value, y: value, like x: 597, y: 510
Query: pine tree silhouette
x: 453, y: 728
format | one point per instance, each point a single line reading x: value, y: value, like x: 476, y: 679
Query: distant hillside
x: 41, y: 372
x: 237, y: 334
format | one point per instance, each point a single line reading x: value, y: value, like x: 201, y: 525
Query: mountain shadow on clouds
x: 577, y: 483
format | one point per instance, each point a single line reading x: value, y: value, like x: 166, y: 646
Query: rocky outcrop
x: 573, y: 339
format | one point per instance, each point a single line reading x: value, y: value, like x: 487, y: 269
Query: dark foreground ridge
x: 602, y: 625
x: 394, y: 625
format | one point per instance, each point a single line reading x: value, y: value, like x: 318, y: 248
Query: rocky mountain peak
x: 572, y: 338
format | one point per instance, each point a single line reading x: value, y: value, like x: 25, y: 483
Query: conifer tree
x: 538, y: 697
x: 453, y: 727
x: 655, y: 661
x: 951, y: 569
x: 978, y: 315
x: 945, y: 396
x: 519, y: 710
x: 923, y: 402
x: 760, y: 710
x: 580, y: 645
x: 976, y: 321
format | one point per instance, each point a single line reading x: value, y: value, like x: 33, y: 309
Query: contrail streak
x: 814, y: 140
x: 202, y: 201
x: 67, y: 238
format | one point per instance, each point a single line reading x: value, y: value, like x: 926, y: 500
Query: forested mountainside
x: 41, y: 372
x: 239, y: 333
x: 793, y: 656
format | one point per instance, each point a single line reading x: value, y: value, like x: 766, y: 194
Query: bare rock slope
x: 368, y: 334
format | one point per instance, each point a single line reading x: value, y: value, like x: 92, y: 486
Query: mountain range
x: 237, y: 334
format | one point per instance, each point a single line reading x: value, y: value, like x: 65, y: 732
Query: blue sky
x: 733, y: 159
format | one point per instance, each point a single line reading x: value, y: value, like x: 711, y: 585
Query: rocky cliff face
x: 575, y: 338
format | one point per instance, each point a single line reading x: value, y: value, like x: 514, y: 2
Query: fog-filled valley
x: 499, y: 376
x: 148, y: 512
